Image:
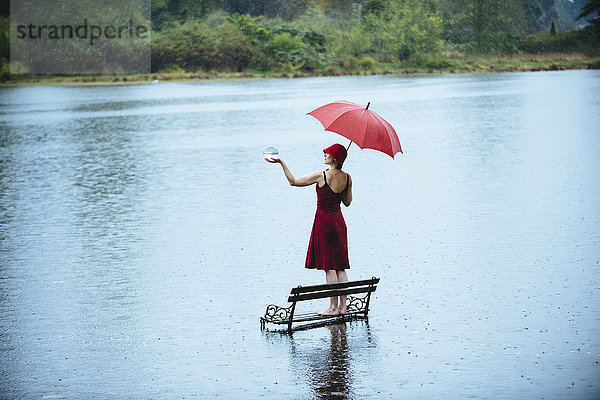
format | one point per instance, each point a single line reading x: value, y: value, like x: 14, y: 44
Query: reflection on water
x: 325, y: 360
x: 331, y: 371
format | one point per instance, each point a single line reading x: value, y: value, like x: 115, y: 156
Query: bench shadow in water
x: 327, y: 363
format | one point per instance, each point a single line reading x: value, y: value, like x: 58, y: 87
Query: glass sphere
x: 271, y: 152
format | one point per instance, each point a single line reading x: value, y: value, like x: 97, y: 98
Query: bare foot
x: 341, y: 311
x: 329, y: 311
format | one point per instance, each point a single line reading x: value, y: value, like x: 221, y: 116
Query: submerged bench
x: 356, y: 307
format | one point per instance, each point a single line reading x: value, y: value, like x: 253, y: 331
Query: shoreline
x: 433, y: 66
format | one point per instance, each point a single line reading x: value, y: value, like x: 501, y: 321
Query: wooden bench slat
x: 328, y: 286
x: 331, y: 293
x: 317, y: 317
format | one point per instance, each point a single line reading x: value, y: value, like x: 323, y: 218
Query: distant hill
x: 567, y: 11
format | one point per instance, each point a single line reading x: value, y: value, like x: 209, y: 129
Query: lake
x: 142, y: 236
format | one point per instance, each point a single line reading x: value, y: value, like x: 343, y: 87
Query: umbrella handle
x: 348, y: 148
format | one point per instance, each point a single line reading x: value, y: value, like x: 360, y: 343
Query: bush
x: 401, y: 29
x: 352, y: 41
x: 493, y: 43
x: 189, y: 45
x: 367, y: 63
x: 233, y: 48
x: 438, y: 63
x: 581, y: 41
x: 4, y: 70
x: 4, y: 38
x: 285, y: 43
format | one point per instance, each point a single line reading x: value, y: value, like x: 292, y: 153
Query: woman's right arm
x: 306, y: 180
x: 347, y: 197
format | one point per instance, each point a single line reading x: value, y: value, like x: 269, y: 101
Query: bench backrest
x: 312, y: 292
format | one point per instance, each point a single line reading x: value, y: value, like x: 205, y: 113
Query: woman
x: 328, y: 246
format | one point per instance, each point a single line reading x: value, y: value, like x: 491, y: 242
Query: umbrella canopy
x: 362, y: 126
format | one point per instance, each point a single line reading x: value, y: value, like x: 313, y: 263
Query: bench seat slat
x: 314, y: 317
x: 329, y: 286
x: 317, y: 317
x: 331, y: 293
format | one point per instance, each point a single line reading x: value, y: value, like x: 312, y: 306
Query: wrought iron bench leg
x: 291, y: 320
x: 368, y: 301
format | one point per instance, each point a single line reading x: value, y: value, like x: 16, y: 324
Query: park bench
x: 356, y: 307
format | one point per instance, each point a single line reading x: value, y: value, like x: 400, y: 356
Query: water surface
x: 142, y: 235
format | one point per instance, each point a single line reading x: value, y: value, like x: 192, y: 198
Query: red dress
x: 328, y: 246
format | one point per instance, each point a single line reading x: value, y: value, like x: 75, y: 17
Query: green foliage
x: 352, y: 64
x: 489, y: 26
x: 583, y: 41
x: 4, y: 70
x: 353, y: 38
x: 287, y: 48
x: 345, y: 35
x: 349, y: 36
x: 251, y: 27
x: 342, y: 9
x: 196, y: 45
x: 284, y: 44
x: 490, y: 18
x: 292, y: 9
x: 4, y: 38
x: 400, y: 28
x: 367, y: 63
x: 353, y: 41
x: 287, y: 9
x: 236, y: 43
x: 440, y: 63
x: 234, y: 49
x: 190, y: 45
x: 494, y: 43
x: 170, y: 11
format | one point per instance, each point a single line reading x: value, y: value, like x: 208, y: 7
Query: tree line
x: 350, y: 35
x: 346, y: 36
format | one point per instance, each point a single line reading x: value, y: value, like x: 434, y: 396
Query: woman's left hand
x: 273, y: 160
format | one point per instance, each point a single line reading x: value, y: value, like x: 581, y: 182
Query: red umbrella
x: 362, y: 126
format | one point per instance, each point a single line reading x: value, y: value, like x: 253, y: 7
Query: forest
x: 331, y: 37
